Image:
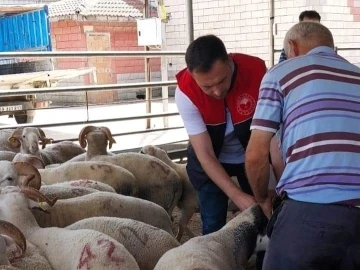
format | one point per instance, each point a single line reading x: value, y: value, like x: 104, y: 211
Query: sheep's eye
x: 10, y: 179
x: 23, y: 136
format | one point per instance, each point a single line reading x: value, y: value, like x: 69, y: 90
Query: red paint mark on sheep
x: 86, y: 257
x: 81, y: 183
x: 110, y: 250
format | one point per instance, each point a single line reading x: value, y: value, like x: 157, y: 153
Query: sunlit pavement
x: 111, y: 111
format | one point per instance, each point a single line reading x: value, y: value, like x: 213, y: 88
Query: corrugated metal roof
x: 117, y: 8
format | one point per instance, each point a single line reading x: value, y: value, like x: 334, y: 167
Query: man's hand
x: 266, y: 206
x: 243, y: 201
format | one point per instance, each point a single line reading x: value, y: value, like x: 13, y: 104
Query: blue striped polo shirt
x: 316, y: 100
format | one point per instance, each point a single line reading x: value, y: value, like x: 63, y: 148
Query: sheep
x: 29, y: 158
x: 65, y: 192
x: 15, y: 235
x: 97, y: 139
x: 227, y: 249
x: 61, y: 152
x: 28, y: 139
x: 118, y: 178
x: 33, y: 258
x: 88, y: 249
x: 73, y: 189
x: 85, y: 184
x: 157, y: 181
x: 21, y: 253
x: 146, y: 243
x: 10, y: 174
x: 5, y: 145
x: 7, y: 155
x: 188, y: 202
x: 66, y: 212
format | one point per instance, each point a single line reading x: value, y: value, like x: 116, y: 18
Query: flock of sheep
x: 63, y: 207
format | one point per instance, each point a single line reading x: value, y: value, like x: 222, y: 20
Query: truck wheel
x: 26, y: 118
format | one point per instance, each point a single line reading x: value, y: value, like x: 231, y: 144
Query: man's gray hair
x: 311, y: 34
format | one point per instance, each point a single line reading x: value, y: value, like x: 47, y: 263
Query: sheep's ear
x: 41, y: 206
x: 16, y: 251
x: 15, y: 142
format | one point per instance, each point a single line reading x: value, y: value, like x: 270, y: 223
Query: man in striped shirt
x: 315, y: 96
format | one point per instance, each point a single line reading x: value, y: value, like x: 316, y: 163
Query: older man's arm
x: 258, y: 167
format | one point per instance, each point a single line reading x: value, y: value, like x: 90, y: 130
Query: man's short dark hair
x: 311, y: 14
x: 203, y: 52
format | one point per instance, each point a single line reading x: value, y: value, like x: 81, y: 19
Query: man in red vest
x: 216, y: 98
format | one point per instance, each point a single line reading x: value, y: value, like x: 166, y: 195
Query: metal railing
x: 91, y: 88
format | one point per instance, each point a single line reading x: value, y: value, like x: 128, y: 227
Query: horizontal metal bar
x: 84, y: 88
x: 346, y: 49
x: 138, y: 117
x: 138, y: 148
x: 77, y: 54
x: 129, y: 133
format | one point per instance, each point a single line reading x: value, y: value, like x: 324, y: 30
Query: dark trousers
x: 214, y: 202
x: 308, y: 236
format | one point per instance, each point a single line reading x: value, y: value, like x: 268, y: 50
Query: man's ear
x: 294, y: 48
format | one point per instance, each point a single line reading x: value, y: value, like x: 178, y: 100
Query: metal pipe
x: 129, y: 133
x: 77, y: 54
x: 190, y: 20
x: 347, y: 49
x: 138, y: 117
x: 84, y: 88
x: 272, y: 38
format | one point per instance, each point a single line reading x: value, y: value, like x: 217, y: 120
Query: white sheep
x: 97, y: 140
x: 15, y: 250
x: 28, y: 139
x: 65, y: 192
x: 86, y: 184
x: 29, y: 158
x: 9, y: 233
x: 19, y: 173
x: 119, y: 178
x: 188, y: 202
x: 65, y: 249
x: 146, y: 243
x: 73, y: 189
x: 33, y: 258
x: 69, y: 211
x: 5, y: 145
x: 7, y: 155
x: 227, y: 249
x: 157, y: 181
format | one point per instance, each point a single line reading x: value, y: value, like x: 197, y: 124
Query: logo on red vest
x: 245, y: 104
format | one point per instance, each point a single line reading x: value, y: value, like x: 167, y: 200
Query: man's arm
x: 265, y: 123
x: 201, y: 142
x: 205, y: 153
x: 258, y: 167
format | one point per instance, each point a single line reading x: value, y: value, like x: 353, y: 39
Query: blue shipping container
x: 28, y: 31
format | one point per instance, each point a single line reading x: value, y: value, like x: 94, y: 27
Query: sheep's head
x: 96, y: 135
x: 21, y: 197
x: 37, y: 162
x: 29, y: 139
x: 154, y: 151
x: 11, y: 172
x: 13, y: 235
